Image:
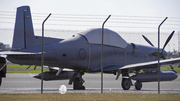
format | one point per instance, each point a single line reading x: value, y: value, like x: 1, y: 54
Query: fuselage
x: 78, y: 54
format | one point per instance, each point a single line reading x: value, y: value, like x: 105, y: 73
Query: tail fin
x: 23, y: 31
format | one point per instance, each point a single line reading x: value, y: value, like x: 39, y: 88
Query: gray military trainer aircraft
x: 82, y: 53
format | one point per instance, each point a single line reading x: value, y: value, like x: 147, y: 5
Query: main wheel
x: 138, y: 85
x: 126, y: 83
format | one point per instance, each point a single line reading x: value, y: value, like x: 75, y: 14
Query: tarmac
x: 23, y: 83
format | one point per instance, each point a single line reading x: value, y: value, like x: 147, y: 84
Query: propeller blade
x: 147, y: 40
x: 173, y: 68
x: 169, y: 38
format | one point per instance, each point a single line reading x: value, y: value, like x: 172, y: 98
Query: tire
x: 138, y: 85
x: 76, y: 83
x: 83, y: 88
x: 126, y: 83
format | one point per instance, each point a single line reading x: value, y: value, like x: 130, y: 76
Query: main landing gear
x: 127, y: 83
x: 138, y: 85
x: 77, y: 81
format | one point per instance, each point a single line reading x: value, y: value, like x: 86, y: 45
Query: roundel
x: 82, y: 53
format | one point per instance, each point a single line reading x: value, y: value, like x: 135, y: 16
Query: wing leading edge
x: 152, y: 64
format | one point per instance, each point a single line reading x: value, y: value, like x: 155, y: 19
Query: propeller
x: 161, y: 52
x: 165, y: 44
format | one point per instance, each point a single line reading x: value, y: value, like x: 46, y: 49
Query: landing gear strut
x: 77, y: 81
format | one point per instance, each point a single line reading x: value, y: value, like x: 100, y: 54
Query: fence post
x: 42, y: 54
x: 102, y: 53
x: 159, y: 54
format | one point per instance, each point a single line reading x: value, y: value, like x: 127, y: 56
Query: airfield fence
x: 130, y: 28
x: 23, y: 76
x: 6, y: 36
x: 64, y: 25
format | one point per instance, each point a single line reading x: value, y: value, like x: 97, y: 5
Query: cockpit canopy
x: 94, y: 36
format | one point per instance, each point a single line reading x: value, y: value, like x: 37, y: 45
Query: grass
x: 107, y: 97
x: 23, y: 69
x: 168, y: 68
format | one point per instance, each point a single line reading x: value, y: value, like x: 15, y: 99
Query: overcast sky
x: 152, y: 8
x: 114, y: 7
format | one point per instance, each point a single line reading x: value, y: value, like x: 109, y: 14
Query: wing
x: 151, y: 64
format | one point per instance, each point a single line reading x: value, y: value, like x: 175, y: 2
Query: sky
x: 130, y: 9
x: 100, y: 7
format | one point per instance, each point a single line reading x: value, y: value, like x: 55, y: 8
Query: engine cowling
x: 152, y: 77
x: 51, y: 75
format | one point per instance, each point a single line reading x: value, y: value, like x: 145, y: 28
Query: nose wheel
x: 77, y: 81
x: 78, y: 84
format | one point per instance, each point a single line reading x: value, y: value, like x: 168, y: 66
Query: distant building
x: 7, y: 46
x: 4, y: 46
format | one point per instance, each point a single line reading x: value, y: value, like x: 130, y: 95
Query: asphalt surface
x: 25, y: 84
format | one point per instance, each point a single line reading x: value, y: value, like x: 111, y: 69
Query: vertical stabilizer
x: 23, y: 31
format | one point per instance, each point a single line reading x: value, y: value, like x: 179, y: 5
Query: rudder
x: 23, y: 32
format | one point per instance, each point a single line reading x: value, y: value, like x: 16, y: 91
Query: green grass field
x: 23, y: 69
x: 168, y: 68
x: 89, y: 97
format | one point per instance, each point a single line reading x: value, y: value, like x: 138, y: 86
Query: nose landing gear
x: 77, y: 81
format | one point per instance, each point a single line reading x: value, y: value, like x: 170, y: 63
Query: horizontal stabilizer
x: 17, y: 53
